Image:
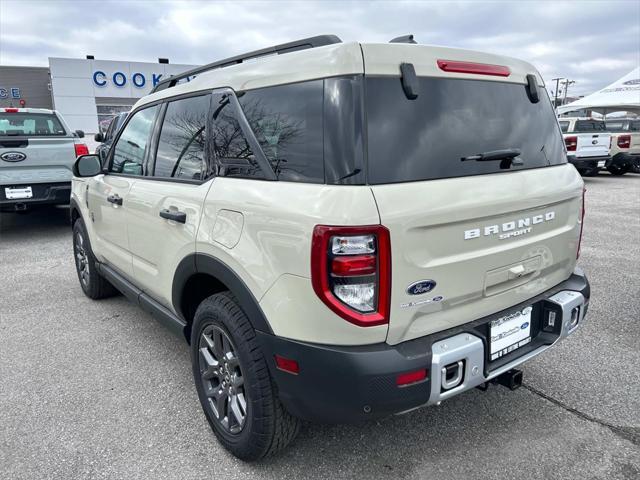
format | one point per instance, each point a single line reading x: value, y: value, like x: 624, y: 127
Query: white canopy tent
x: 622, y: 95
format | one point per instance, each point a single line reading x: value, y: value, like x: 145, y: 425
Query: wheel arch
x: 74, y: 212
x: 199, y: 276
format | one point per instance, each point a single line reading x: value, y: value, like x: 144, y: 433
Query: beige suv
x: 341, y: 231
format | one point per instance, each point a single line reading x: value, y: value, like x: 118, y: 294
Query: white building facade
x: 88, y: 93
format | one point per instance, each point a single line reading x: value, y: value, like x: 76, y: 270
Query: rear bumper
x: 588, y: 163
x: 43, y: 194
x: 339, y: 384
x: 624, y: 159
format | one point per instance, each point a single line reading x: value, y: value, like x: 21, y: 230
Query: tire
x: 614, y: 170
x: 228, y: 362
x: 591, y: 172
x: 93, y: 284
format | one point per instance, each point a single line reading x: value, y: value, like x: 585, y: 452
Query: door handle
x: 175, y: 215
x: 115, y: 199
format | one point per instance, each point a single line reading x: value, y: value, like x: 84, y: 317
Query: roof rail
x: 303, y: 44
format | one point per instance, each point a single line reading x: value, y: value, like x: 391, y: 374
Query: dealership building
x: 86, y: 92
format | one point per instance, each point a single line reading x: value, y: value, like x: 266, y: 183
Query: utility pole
x: 555, y: 99
x: 567, y: 82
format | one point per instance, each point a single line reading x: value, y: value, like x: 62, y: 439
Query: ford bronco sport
x: 37, y: 152
x: 327, y: 246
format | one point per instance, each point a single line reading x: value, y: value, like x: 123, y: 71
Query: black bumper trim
x: 43, y: 193
x: 342, y: 384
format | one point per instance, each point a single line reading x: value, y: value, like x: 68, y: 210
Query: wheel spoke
x: 217, y: 347
x: 237, y: 380
x: 235, y: 409
x: 209, y: 363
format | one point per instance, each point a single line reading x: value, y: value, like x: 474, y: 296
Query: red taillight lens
x: 287, y: 364
x: 81, y: 149
x: 11, y: 110
x: 476, y: 68
x: 624, y: 141
x: 571, y: 143
x: 411, y: 377
x: 353, y: 265
x: 351, y: 272
x: 584, y: 190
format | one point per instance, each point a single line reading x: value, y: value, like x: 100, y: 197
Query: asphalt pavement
x: 101, y: 390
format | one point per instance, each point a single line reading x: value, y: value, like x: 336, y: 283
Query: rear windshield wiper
x: 507, y: 157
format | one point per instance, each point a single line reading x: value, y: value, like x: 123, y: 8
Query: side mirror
x: 87, y: 166
x: 80, y: 133
x: 98, y: 137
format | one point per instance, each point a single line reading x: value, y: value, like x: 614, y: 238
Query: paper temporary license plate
x: 18, y: 193
x: 601, y: 163
x: 510, y: 332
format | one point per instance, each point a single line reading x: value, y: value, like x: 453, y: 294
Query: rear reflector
x: 571, y: 143
x: 475, y: 68
x: 411, y: 377
x: 287, y: 365
x: 354, y: 265
x: 11, y: 110
x: 81, y: 149
x: 624, y: 141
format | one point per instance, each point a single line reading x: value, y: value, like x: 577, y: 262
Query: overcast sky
x: 591, y: 42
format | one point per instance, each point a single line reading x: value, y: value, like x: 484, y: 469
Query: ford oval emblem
x: 524, y: 325
x: 13, y: 156
x: 423, y: 286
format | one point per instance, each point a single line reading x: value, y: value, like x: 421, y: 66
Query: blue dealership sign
x: 119, y: 79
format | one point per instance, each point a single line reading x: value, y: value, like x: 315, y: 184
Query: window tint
x: 129, y: 151
x: 616, y: 126
x: 564, y: 126
x: 180, y: 151
x: 426, y: 138
x: 287, y: 122
x: 234, y: 157
x: 634, y: 126
x: 589, y: 126
x: 32, y: 124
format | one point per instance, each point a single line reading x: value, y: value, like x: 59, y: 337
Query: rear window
x: 564, y: 126
x: 615, y: 126
x: 589, y: 126
x: 634, y: 126
x: 31, y: 124
x: 426, y: 138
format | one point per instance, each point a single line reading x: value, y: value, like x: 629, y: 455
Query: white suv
x: 341, y: 231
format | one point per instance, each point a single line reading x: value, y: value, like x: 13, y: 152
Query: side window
x: 233, y: 153
x: 564, y: 126
x: 287, y: 122
x: 129, y: 151
x: 180, y: 151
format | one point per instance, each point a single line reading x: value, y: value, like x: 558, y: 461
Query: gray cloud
x: 591, y: 42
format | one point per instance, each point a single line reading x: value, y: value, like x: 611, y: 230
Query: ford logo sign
x: 594, y: 142
x: 524, y: 325
x: 423, y: 286
x: 13, y: 156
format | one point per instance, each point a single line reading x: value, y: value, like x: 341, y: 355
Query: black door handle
x: 115, y: 199
x: 174, y: 215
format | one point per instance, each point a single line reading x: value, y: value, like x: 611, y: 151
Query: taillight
x: 11, y: 110
x: 571, y: 143
x: 476, y: 68
x: 81, y: 149
x: 624, y: 141
x: 584, y: 190
x: 351, y: 272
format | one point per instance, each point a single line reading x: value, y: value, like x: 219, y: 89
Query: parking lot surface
x: 100, y: 390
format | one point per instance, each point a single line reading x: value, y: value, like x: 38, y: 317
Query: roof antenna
x: 403, y: 39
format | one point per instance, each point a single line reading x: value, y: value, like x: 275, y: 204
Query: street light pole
x: 555, y: 98
x: 567, y: 82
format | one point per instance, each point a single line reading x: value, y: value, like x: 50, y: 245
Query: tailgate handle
x: 115, y: 199
x: 517, y: 272
x: 175, y: 215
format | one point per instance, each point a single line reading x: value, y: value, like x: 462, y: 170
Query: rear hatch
x: 593, y: 139
x: 34, y: 148
x: 487, y: 235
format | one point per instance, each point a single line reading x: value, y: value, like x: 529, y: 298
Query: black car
x: 106, y: 138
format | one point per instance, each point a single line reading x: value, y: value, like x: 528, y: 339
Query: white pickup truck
x: 588, y: 144
x: 37, y: 151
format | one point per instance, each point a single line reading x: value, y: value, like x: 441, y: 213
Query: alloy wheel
x: 82, y: 260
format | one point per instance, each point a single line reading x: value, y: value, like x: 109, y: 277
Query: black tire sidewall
x: 78, y: 227
x: 246, y: 444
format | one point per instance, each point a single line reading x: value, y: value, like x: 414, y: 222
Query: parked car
x: 37, y: 152
x: 106, y: 138
x: 327, y: 241
x: 587, y: 142
x: 625, y: 146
